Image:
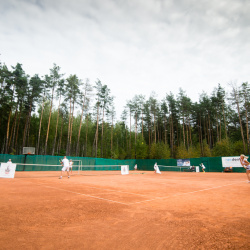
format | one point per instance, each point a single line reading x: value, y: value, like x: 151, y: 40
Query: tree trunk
x: 225, y: 123
x: 217, y: 128
x: 8, y: 124
x: 241, y: 127
x: 130, y: 150
x: 14, y: 132
x: 202, y: 151
x: 80, y: 126
x: 210, y: 131
x: 47, y: 135
x: 111, y: 142
x: 190, y: 133
x: 172, y: 136
x: 247, y: 129
x: 187, y: 136
x: 71, y: 128
x: 18, y: 123
x: 67, y: 147
x: 236, y: 100
x: 7, y: 133
x: 220, y: 130
x: 86, y: 141
x: 60, y: 139
x: 183, y: 131
x: 96, y: 140
x: 142, y: 123
x: 27, y: 125
x: 154, y: 128
x: 102, y: 129
x: 40, y: 126
x: 57, y: 120
x: 165, y: 130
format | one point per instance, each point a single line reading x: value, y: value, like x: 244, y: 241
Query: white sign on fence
x: 124, y: 169
x: 231, y: 162
x: 7, y: 170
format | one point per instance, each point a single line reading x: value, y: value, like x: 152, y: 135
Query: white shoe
x: 60, y: 177
x: 68, y: 176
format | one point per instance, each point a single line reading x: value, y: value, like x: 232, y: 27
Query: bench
x: 189, y: 169
x: 228, y: 169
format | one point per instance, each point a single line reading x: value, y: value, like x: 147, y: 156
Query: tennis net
x: 25, y: 169
x: 174, y: 168
x: 104, y: 169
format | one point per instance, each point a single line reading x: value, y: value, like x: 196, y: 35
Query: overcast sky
x: 135, y: 46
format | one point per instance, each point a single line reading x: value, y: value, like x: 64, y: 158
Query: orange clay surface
x: 137, y: 211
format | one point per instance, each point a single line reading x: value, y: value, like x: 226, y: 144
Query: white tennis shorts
x: 65, y: 168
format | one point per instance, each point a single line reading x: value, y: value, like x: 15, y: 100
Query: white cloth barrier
x: 7, y: 170
x: 124, y: 169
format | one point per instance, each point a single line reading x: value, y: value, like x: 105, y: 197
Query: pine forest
x: 61, y: 115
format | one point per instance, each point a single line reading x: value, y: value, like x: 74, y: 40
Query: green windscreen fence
x: 212, y: 164
x: 52, y: 163
x: 148, y: 164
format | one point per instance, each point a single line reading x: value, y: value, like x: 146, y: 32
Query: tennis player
x: 135, y: 167
x: 9, y: 161
x: 245, y: 164
x: 156, y: 168
x: 70, y: 165
x: 203, y: 167
x: 65, y: 164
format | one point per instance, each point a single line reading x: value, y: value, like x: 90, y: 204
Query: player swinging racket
x: 245, y: 164
x: 65, y: 164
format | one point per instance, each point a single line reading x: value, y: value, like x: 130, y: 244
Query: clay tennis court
x: 174, y: 210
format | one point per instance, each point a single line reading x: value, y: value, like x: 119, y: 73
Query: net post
x: 27, y: 151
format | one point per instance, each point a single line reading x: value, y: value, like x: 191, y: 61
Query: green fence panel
x: 112, y: 162
x: 212, y: 164
x: 148, y: 164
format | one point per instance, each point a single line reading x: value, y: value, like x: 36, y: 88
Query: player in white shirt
x: 245, y: 164
x: 203, y: 167
x: 135, y: 167
x: 156, y: 168
x: 9, y: 162
x: 65, y: 164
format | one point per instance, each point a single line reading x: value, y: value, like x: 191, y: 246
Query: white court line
x: 91, y: 196
x: 192, y: 192
x: 117, y: 191
x: 138, y: 202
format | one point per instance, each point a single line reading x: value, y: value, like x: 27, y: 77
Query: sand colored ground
x: 137, y: 211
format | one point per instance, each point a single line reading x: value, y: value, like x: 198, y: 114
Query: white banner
x: 124, y: 169
x: 228, y: 162
x: 183, y: 162
x: 7, y: 170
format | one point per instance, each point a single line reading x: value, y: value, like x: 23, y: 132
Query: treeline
x: 61, y: 115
